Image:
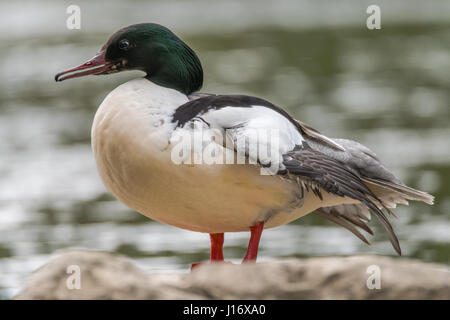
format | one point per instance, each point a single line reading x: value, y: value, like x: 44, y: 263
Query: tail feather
x: 405, y: 192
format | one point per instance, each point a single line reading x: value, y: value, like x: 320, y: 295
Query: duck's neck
x: 180, y: 70
x: 184, y: 82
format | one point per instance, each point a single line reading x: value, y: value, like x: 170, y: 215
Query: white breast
x: 130, y: 140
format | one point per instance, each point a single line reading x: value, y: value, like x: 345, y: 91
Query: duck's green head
x: 149, y: 47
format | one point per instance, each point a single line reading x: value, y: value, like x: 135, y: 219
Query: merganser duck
x: 133, y: 144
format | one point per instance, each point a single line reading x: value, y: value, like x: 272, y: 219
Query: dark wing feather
x: 345, y: 216
x: 336, y: 178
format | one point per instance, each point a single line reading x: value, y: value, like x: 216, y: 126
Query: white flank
x: 131, y: 143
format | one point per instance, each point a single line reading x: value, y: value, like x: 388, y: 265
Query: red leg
x: 252, y: 251
x: 216, y: 247
x: 216, y: 250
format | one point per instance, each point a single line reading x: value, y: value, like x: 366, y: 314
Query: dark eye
x: 124, y: 44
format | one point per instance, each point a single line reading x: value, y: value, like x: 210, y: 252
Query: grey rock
x: 107, y: 276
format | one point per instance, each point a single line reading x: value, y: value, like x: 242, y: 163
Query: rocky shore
x: 82, y: 274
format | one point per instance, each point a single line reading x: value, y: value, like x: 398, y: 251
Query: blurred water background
x: 388, y: 89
